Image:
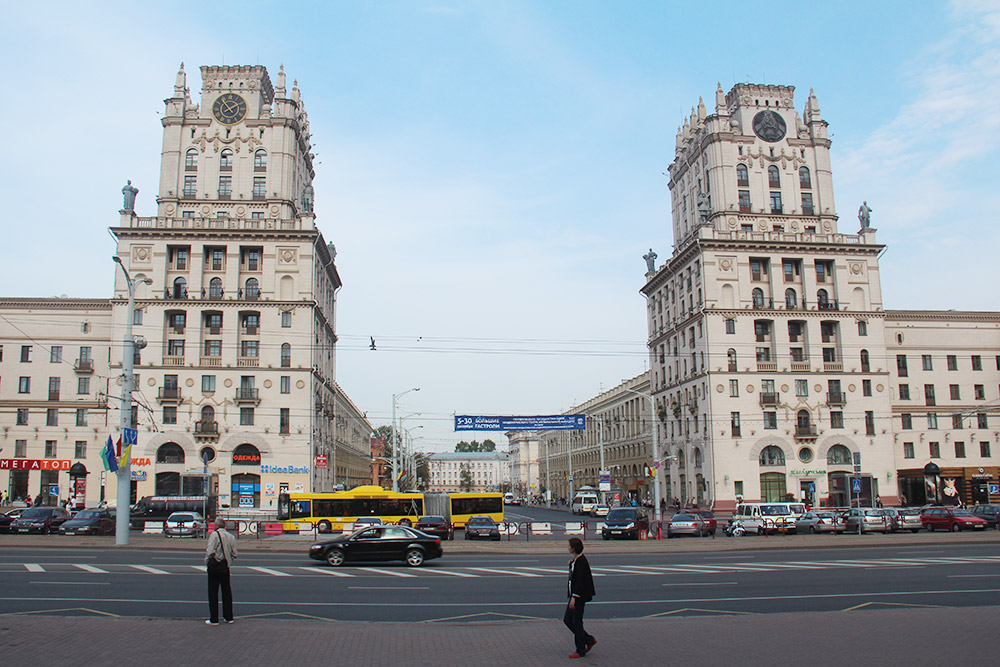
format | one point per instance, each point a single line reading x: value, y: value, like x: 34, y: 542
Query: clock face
x: 229, y: 109
x: 769, y: 126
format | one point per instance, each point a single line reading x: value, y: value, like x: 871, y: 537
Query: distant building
x: 485, y: 471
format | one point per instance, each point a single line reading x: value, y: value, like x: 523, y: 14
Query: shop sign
x: 246, y: 501
x: 285, y: 470
x: 269, y: 489
x: 246, y: 459
x: 138, y: 475
x: 141, y: 462
x: 35, y: 464
x: 321, y: 460
x: 806, y: 472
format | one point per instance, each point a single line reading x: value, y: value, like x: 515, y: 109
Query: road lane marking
x: 453, y: 574
x: 151, y: 570
x: 967, y: 576
x: 392, y: 572
x: 324, y: 570
x: 544, y: 569
x: 619, y: 570
x: 90, y: 568
x: 702, y: 583
x: 75, y: 583
x: 390, y: 588
x: 34, y: 567
x: 265, y: 570
x: 516, y: 574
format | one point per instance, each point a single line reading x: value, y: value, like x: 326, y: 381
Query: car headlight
x: 631, y: 524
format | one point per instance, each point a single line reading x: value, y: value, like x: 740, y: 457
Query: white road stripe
x: 545, y: 569
x: 90, y: 568
x: 717, y: 569
x: 151, y: 570
x: 266, y: 570
x: 326, y: 570
x: 453, y: 574
x: 516, y: 574
x: 392, y: 572
x: 34, y: 567
x: 618, y: 570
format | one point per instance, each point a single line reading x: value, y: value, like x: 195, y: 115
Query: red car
x: 951, y: 518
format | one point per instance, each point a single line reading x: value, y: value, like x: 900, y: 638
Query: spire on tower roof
x: 720, y: 99
x: 180, y: 83
x: 279, y: 90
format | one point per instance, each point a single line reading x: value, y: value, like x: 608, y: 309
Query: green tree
x: 423, y: 471
x: 465, y: 477
x: 476, y: 446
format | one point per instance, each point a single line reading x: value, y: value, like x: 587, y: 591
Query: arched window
x: 803, y: 419
x: 208, y: 414
x: 773, y: 177
x: 772, y: 456
x: 697, y: 457
x: 838, y: 455
x: 758, y: 297
x: 822, y: 299
x: 180, y: 288
x: 253, y: 289
x: 191, y: 159
x: 742, y: 176
x: 246, y: 455
x: 865, y: 364
x: 680, y: 458
x: 226, y: 160
x: 170, y: 452
x: 260, y: 159
x: 805, y: 181
x: 215, y: 288
x: 731, y: 357
x: 286, y: 355
x: 791, y: 299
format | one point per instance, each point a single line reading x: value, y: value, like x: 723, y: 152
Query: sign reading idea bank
x: 521, y: 423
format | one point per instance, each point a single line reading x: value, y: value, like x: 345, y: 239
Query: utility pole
x: 657, y: 468
x: 396, y: 440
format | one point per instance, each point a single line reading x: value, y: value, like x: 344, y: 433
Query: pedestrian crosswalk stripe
x: 452, y: 573
x: 34, y: 567
x: 392, y: 572
x: 326, y: 570
x: 200, y: 568
x: 266, y: 570
x: 489, y: 569
x: 151, y: 570
x: 618, y: 570
x: 547, y: 569
x: 90, y: 568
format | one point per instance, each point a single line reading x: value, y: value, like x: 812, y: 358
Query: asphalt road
x: 495, y: 586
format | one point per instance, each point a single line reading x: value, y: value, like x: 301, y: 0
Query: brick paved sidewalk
x: 863, y: 637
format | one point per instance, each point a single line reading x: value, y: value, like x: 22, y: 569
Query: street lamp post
x: 600, y: 444
x: 128, y: 380
x: 395, y: 438
x: 657, y: 514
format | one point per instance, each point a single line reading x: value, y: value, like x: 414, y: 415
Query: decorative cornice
x: 942, y: 315
x: 55, y: 302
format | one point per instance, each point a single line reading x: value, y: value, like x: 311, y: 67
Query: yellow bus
x: 331, y: 511
x: 457, y: 508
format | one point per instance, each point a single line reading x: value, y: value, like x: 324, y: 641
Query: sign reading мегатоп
x: 521, y: 423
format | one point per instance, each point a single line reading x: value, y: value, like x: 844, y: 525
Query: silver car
x: 819, y: 522
x: 904, y: 519
x: 184, y: 524
x: 871, y: 519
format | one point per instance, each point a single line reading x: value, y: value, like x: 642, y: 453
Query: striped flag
x: 109, y: 456
x: 104, y: 455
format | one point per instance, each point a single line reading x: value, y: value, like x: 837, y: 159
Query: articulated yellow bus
x: 457, y: 508
x: 330, y: 511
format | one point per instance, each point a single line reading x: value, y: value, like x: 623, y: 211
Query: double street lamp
x: 396, y: 439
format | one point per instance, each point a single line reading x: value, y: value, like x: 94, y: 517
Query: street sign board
x: 855, y: 485
x: 994, y: 489
x: 520, y: 423
x: 130, y: 436
x: 321, y: 460
x: 604, y: 484
x: 812, y: 487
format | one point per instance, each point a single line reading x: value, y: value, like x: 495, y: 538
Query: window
x: 770, y: 420
x: 22, y: 416
x: 772, y: 456
x: 80, y: 449
x: 215, y: 288
x: 169, y: 414
x: 286, y: 319
x: 790, y: 267
x: 25, y: 354
x: 260, y: 159
x: 928, y: 362
x: 24, y: 385
x: 259, y: 187
x: 901, y: 365
x: 246, y: 416
x: 742, y: 176
x: 869, y: 422
x: 83, y: 385
x: 830, y: 355
x: 55, y: 354
x: 773, y: 177
x: 866, y: 387
x: 791, y: 299
x: 908, y: 450
x: 745, y: 203
x: 956, y: 421
x: 226, y: 160
x: 932, y: 422
x: 50, y: 449
x: 807, y: 204
x: 979, y: 391
x: 907, y: 421
x: 959, y: 450
x: 249, y: 348
x: 802, y: 388
x: 213, y: 347
x: 252, y: 289
x: 836, y: 419
x: 984, y: 449
x: 191, y: 159
x: 252, y: 257
x: 822, y: 299
x: 286, y: 355
x: 934, y: 449
x: 758, y: 269
x: 956, y: 394
x: 952, y: 362
x: 734, y: 423
x: 839, y: 455
x: 731, y: 358
x: 805, y: 182
x: 284, y: 421
x: 175, y: 348
x: 52, y: 417
x: 862, y: 328
x: 776, y: 202
x: 81, y: 416
x: 137, y: 316
x: 208, y: 383
x: 225, y: 185
x: 977, y: 362
x: 286, y: 384
x: 734, y: 388
x: 190, y: 186
x: 982, y: 421
x: 180, y: 289
x: 758, y: 297
x: 929, y: 395
x: 904, y: 392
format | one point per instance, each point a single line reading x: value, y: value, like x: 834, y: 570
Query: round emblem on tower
x: 769, y: 126
x: 229, y: 108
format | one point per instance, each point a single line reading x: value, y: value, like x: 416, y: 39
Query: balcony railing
x: 206, y: 429
x: 828, y: 305
x: 835, y: 398
x: 800, y: 366
x: 247, y: 362
x: 169, y: 394
x: 833, y: 366
x: 770, y: 399
x: 211, y: 361
x: 247, y: 395
x: 805, y: 432
x: 84, y: 366
x: 173, y: 360
x: 767, y: 366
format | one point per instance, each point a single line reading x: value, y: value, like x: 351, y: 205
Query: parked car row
x: 877, y: 519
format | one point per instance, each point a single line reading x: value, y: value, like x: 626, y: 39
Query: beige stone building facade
x: 239, y: 371
x: 523, y: 457
x: 485, y: 471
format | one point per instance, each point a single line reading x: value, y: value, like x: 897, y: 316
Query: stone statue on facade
x: 650, y: 258
x: 704, y: 207
x: 865, y: 215
x: 129, y: 192
x: 307, y: 198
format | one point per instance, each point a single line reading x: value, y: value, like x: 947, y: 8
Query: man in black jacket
x: 581, y: 591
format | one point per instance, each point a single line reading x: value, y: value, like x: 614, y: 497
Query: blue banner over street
x: 521, y: 423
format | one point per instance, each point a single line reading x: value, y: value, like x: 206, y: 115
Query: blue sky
x: 491, y: 172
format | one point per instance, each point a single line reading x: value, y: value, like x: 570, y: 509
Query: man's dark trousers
x: 574, y: 621
x: 218, y: 575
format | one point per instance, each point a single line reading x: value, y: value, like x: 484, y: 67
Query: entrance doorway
x: 807, y: 492
x: 980, y: 492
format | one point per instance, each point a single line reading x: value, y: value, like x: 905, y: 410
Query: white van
x: 509, y: 499
x: 769, y: 517
x: 584, y: 503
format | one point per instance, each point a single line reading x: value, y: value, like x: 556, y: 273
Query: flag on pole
x: 109, y: 456
x: 126, y: 457
x: 104, y: 455
x: 118, y: 447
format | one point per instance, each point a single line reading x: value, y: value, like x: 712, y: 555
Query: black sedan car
x: 90, y: 522
x: 434, y: 525
x: 482, y: 528
x: 42, y: 520
x: 989, y: 512
x: 379, y: 543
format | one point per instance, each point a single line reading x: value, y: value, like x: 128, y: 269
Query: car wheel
x: 414, y: 557
x: 608, y: 537
x: 405, y: 522
x: 324, y: 527
x: 955, y: 528
x: 812, y: 529
x: 930, y: 528
x: 335, y: 557
x: 914, y: 530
